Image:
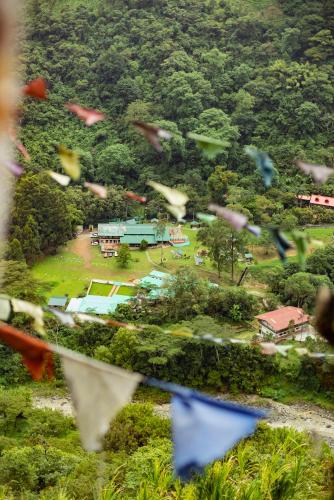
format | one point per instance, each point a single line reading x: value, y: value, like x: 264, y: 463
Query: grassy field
x: 100, y: 289
x: 67, y: 274
x: 127, y: 290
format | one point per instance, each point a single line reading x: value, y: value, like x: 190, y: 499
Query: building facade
x: 286, y: 322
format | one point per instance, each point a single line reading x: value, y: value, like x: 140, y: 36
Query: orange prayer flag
x: 36, y: 354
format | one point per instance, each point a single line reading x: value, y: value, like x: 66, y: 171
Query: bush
x: 134, y: 426
x: 34, y: 468
x: 143, y: 245
x: 233, y: 303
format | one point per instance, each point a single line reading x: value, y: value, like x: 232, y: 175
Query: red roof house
x: 318, y: 199
x: 284, y: 322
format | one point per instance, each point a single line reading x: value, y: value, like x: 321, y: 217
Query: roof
x: 325, y: 201
x: 156, y: 279
x: 96, y: 304
x: 126, y: 230
x: 74, y: 305
x: 318, y: 199
x: 280, y: 318
x: 57, y: 301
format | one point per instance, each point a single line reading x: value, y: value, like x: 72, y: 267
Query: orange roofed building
x: 317, y: 199
x: 286, y: 322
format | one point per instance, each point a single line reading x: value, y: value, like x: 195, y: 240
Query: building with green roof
x: 131, y: 233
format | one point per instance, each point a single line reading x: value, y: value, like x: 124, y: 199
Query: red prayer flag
x: 36, y: 88
x: 36, y: 354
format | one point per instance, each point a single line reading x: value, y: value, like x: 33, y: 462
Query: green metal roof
x: 133, y: 239
x: 140, y: 231
x: 159, y: 274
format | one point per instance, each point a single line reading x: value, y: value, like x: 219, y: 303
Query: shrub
x: 134, y: 426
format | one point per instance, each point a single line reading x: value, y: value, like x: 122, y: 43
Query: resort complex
x: 113, y: 234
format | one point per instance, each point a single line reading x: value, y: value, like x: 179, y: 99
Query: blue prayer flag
x: 263, y: 163
x: 204, y: 429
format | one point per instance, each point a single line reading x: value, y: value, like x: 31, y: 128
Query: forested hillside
x: 121, y: 416
x: 250, y: 73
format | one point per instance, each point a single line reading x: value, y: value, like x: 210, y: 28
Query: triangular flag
x: 280, y: 242
x: 236, y: 220
x: 99, y: 391
x: 36, y: 312
x: 152, y: 134
x: 70, y: 162
x: 63, y: 180
x: 64, y: 318
x: 36, y: 354
x: 89, y: 116
x: 263, y: 163
x: 97, y: 189
x: 204, y: 429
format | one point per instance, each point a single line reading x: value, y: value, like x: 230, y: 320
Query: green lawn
x: 127, y: 290
x: 67, y: 274
x: 100, y: 289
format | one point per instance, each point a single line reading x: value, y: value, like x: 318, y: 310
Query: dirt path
x: 82, y: 248
x: 300, y: 416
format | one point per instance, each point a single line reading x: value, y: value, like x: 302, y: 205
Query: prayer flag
x: 36, y: 354
x: 205, y: 429
x: 263, y: 163
x: 99, y: 391
x: 89, y: 116
x: 211, y: 147
x: 36, y: 312
x: 320, y: 173
x: 97, y: 189
x: 70, y: 162
x: 63, y: 180
x: 280, y: 242
x: 36, y: 88
x: 152, y: 134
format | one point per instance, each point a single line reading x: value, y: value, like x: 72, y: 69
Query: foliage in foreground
x: 40, y: 457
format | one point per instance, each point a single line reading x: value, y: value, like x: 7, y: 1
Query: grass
x: 67, y: 274
x: 127, y: 290
x: 100, y: 289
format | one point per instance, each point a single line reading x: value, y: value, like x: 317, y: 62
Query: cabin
x: 285, y: 322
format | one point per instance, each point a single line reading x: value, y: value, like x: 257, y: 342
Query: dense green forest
x: 251, y: 73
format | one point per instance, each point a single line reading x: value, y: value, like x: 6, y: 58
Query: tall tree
x: 224, y: 244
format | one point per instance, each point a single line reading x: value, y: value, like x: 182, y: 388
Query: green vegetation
x: 100, y: 289
x: 127, y: 290
x: 41, y: 457
x: 257, y: 73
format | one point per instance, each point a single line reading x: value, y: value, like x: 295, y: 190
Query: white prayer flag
x: 36, y: 312
x: 99, y: 391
